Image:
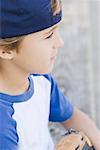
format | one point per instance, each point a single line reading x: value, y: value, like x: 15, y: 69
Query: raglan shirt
x: 24, y: 118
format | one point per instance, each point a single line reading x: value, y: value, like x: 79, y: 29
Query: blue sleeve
x: 8, y: 134
x: 61, y: 108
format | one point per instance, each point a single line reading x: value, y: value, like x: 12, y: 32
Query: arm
x: 80, y: 121
x: 61, y: 110
x: 8, y: 133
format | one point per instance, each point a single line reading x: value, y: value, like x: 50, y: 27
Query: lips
x: 53, y: 57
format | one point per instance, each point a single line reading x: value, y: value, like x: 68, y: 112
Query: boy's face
x: 38, y: 51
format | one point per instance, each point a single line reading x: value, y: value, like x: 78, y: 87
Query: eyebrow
x: 51, y: 30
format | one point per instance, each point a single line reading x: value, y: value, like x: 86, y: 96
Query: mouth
x: 53, y: 58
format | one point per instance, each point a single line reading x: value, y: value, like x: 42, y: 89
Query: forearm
x: 80, y: 121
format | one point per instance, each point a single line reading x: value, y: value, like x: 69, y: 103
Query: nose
x: 58, y: 41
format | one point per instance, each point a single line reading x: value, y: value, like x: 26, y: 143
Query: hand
x: 74, y: 140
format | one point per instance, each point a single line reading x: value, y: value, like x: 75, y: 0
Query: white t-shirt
x: 25, y: 117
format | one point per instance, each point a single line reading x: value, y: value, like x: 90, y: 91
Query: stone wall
x: 77, y: 67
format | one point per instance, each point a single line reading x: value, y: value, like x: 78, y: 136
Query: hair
x: 11, y: 43
x: 14, y: 43
x: 56, y: 6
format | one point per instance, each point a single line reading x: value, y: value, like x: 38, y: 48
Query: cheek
x: 43, y: 53
x: 42, y: 60
x: 36, y: 58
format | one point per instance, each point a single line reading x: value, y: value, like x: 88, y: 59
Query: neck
x: 13, y: 81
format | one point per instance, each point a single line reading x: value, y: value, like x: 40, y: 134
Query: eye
x: 49, y: 36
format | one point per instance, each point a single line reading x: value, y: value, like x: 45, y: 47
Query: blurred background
x: 77, y: 68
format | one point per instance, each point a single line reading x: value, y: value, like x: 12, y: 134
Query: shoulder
x: 55, y: 90
x: 60, y: 107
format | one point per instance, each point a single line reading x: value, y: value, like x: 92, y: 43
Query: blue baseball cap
x: 22, y: 17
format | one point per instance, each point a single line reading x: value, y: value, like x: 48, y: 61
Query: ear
x: 4, y: 54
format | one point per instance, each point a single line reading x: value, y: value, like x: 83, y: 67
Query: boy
x: 29, y: 96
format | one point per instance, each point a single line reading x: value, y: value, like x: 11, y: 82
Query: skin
x: 37, y: 54
x: 81, y: 122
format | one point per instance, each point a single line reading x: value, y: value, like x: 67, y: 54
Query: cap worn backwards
x: 21, y: 17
